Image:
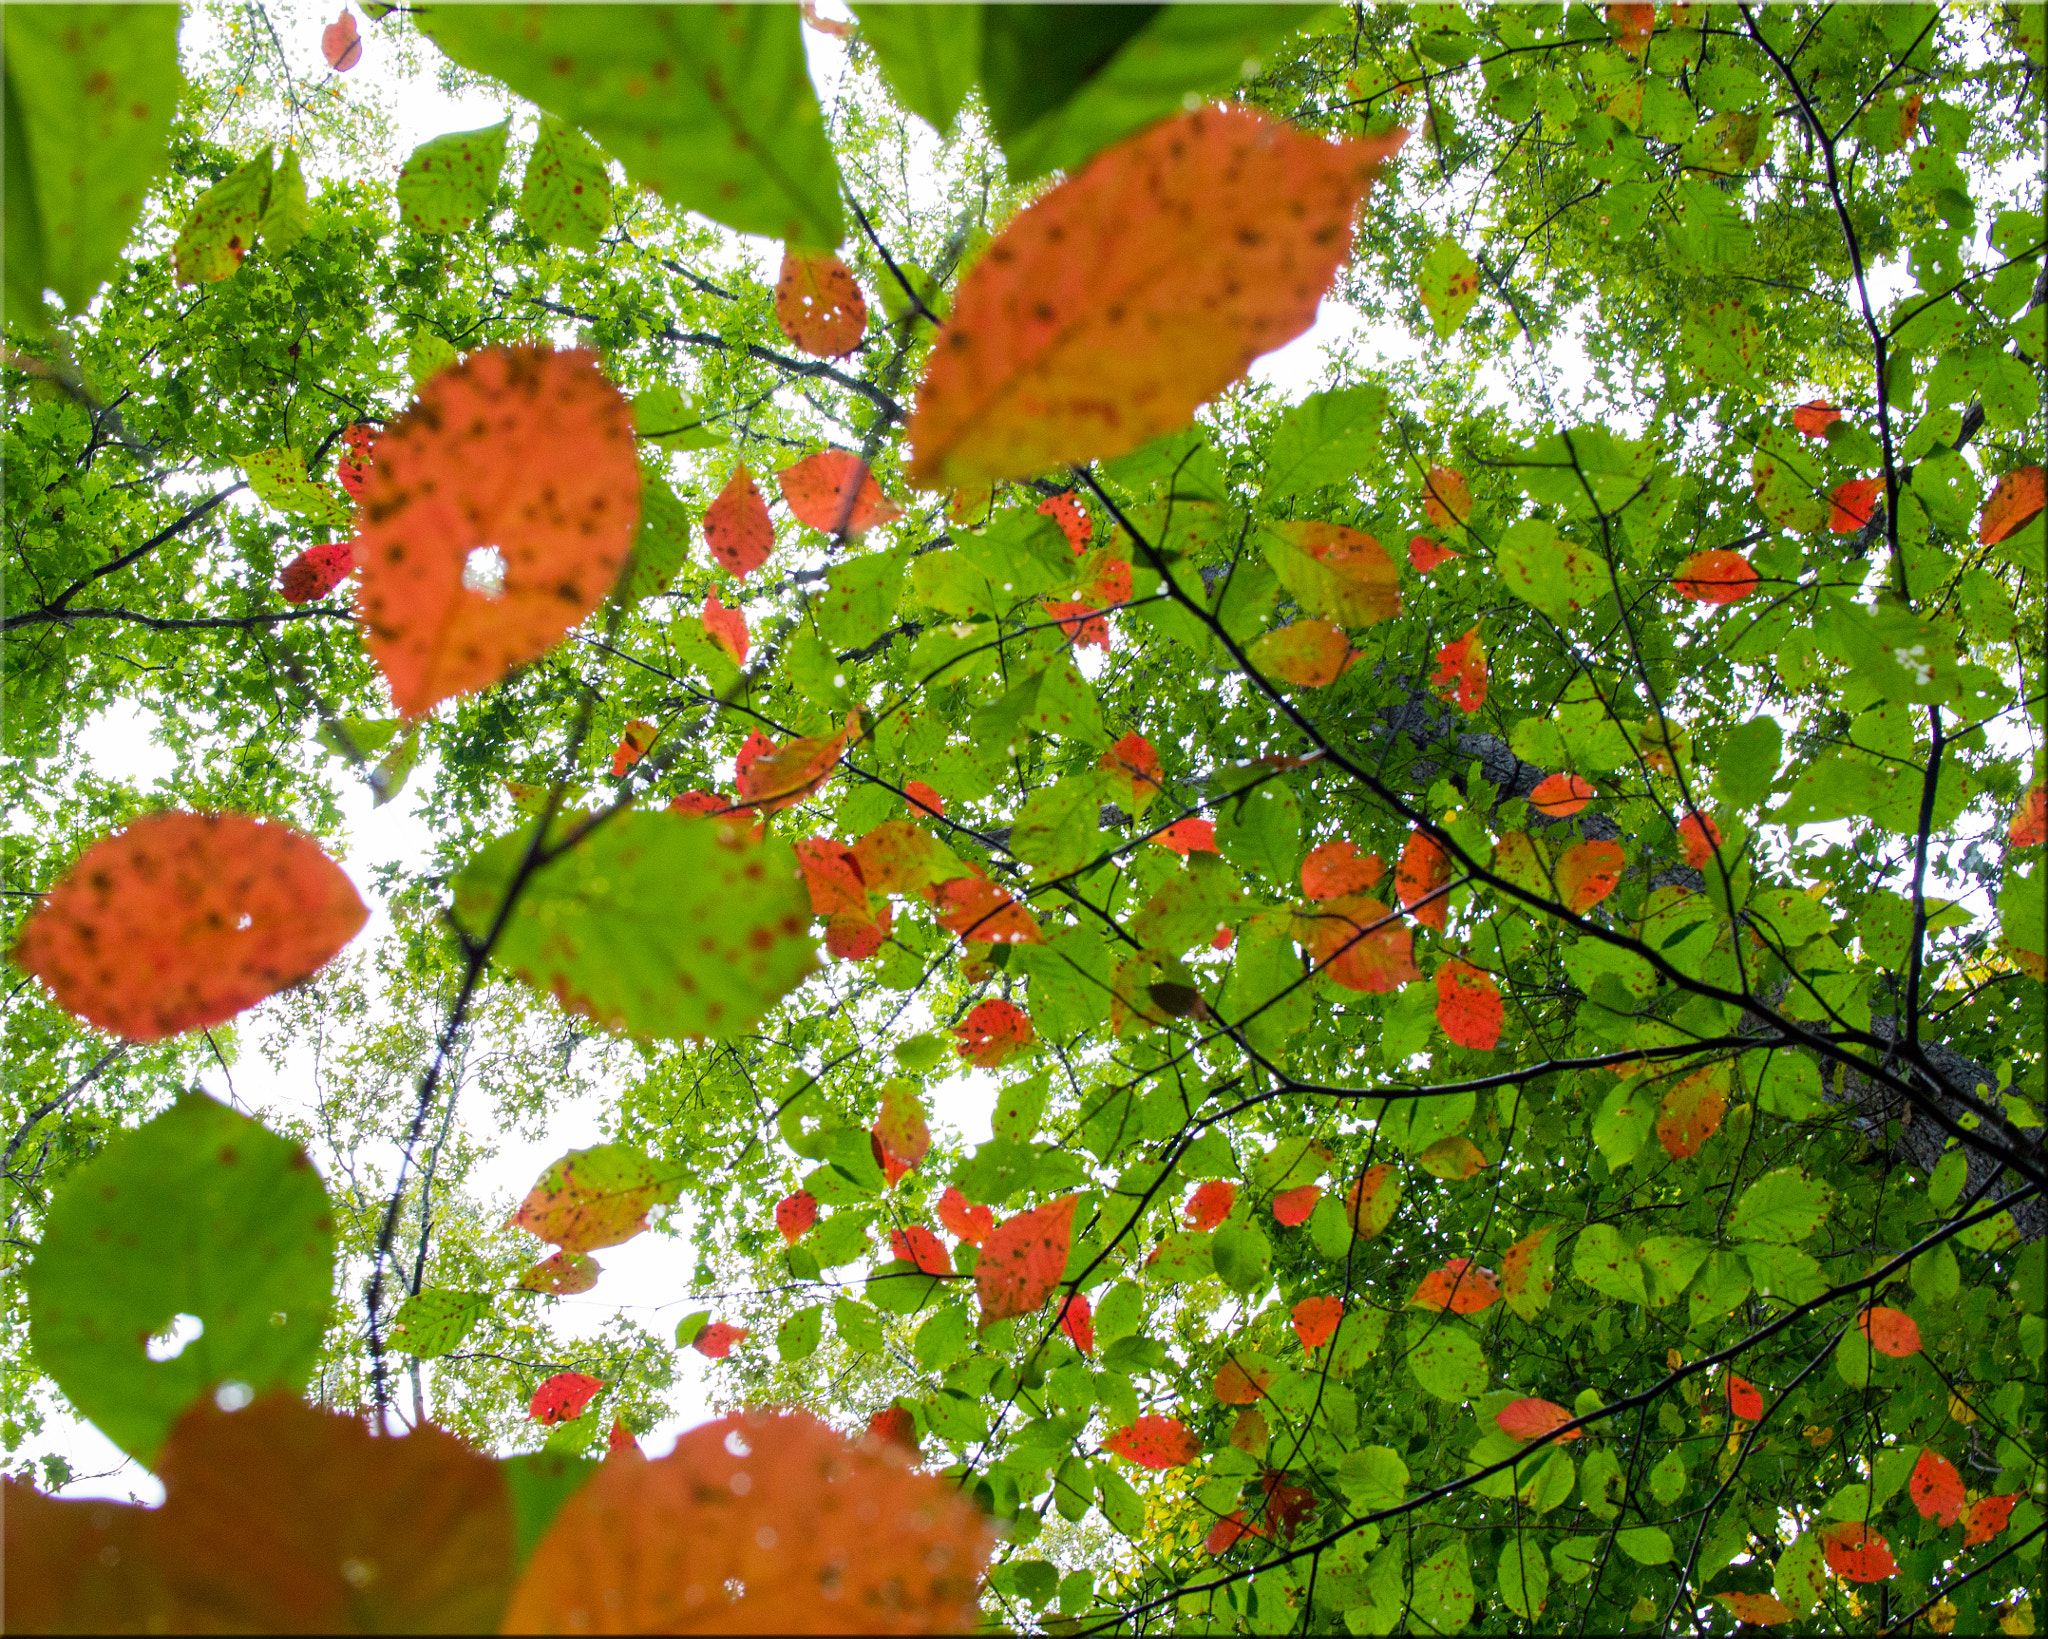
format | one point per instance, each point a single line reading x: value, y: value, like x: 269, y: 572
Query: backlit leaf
x: 566, y: 194
x: 1716, y: 576
x: 1424, y: 870
x: 1468, y: 1005
x: 1936, y: 1488
x: 915, y: 1245
x: 563, y: 1275
x: 448, y: 182
x: 1242, y: 1381
x: 725, y: 627
x: 1760, y: 1609
x: 1461, y: 672
x: 970, y: 1223
x: 1588, y: 872
x: 179, y: 921
x: 1449, y: 1364
x: 834, y: 491
x: 1456, y: 1158
x: 563, y: 1397
x: 1022, y: 1260
x: 317, y: 571
x: 1814, y: 417
x: 1890, y: 1331
x: 1853, y: 504
x: 433, y: 1322
x: 1561, y: 795
x: 1114, y: 305
x: 1373, y: 1200
x: 2017, y: 497
x: 520, y: 451
x: 594, y: 1198
x: 737, y: 529
x: 634, y: 744
x: 1526, y: 1276
x: 795, y: 1215
x: 1311, y: 654
x: 1210, y: 1204
x: 771, y: 776
x: 1691, y: 1112
x: 1360, y: 943
x: 1291, y: 1207
x: 992, y: 1032
x: 1460, y: 1286
x: 1530, y: 1419
x: 1315, y: 1320
x: 717, y: 1339
x: 1337, y: 868
x: 1855, y: 1553
x: 1425, y: 554
x: 1449, y: 285
x: 221, y: 230
x: 1077, y: 1321
x: 1988, y: 1517
x: 818, y: 306
x: 1337, y: 574
x: 1446, y: 497
x: 900, y: 1133
x: 1155, y: 1442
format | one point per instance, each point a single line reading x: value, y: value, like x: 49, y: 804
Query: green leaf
x: 711, y: 108
x: 1645, y: 1544
x: 1602, y: 1486
x: 1448, y: 1363
x: 1667, y: 1478
x: 1373, y: 1477
x: 566, y: 194
x: 1244, y: 1257
x: 288, y: 214
x: 656, y: 924
x: 1547, y: 571
x: 1261, y: 831
x: 1723, y: 1283
x: 90, y: 91
x: 1624, y: 1120
x: 1325, y: 439
x: 432, y: 1322
x: 798, y: 1336
x: 1449, y: 285
x: 690, y: 1325
x: 1801, y: 1576
x: 662, y: 545
x: 664, y: 414
x: 539, y: 1485
x: 929, y: 54
x: 859, y: 603
x: 449, y: 182
x: 1121, y: 1505
x: 1784, y: 1205
x: 943, y: 1340
x: 857, y: 1325
x: 1059, y: 828
x: 1608, y: 1264
x: 222, y: 227
x: 1442, y: 1596
x: 1188, y: 907
x: 198, y: 1213
x: 279, y: 479
x: 1523, y: 1578
x: 1784, y: 1272
x: 1672, y: 1261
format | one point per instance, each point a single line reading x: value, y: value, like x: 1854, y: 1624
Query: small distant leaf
x: 563, y: 1275
x: 317, y: 571
x: 449, y: 182
x: 1744, y: 1399
x: 1815, y: 417
x: 563, y: 1397
x: 634, y: 743
x: 1023, y: 1259
x: 716, y: 1340
x: 1449, y: 285
x: 818, y: 306
x: 725, y: 627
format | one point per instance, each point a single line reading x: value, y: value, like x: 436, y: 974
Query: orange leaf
x: 1890, y: 1331
x: 1936, y: 1488
x: 716, y: 1340
x: 1456, y: 1158
x: 1228, y: 1532
x: 1116, y: 303
x: 1210, y: 1204
x: 1193, y: 835
x: 725, y: 627
x: 898, y: 856
x: 1988, y: 1516
x: 1814, y: 417
x: 2029, y: 827
x: 1106, y: 580
x: 833, y: 876
x: 992, y: 1032
x: 835, y: 492
x: 521, y: 451
x: 1424, y: 869
x: 1589, y: 872
x: 1699, y: 836
x: 854, y: 936
x: 2016, y: 497
x: 1312, y: 654
x: 981, y: 912
x: 633, y: 745
x: 1136, y: 767
x: 563, y: 1397
x: 1717, y: 576
x: 771, y: 776
x: 352, y: 467
x: 1532, y: 1419
x: 1763, y: 1610
x: 699, y: 802
x: 1461, y: 672
x: 317, y: 571
x: 795, y: 1214
x: 1291, y: 1207
x: 1315, y: 1320
x: 967, y: 1222
x: 737, y: 528
x: 1240, y: 1385
x: 917, y: 1245
x: 1426, y: 553
x: 1064, y: 510
x: 1855, y: 1553
x: 1023, y: 1258
x: 1518, y: 1268
x: 1359, y: 942
x: 893, y: 1425
x: 1461, y: 1286
x: 775, y: 1520
x: 1744, y: 1400
x: 1077, y: 1320
x: 1631, y: 22
x: 1468, y: 1005
x: 808, y: 10
x: 1446, y: 497
x: 1561, y: 795
x: 924, y: 798
x: 1854, y: 504
x: 1373, y: 1200
x: 900, y: 1130
x: 1692, y: 1112
x: 1086, y: 627
x: 1155, y: 1442
x: 1337, y: 868
x: 818, y: 305
x: 341, y: 43
x: 179, y: 921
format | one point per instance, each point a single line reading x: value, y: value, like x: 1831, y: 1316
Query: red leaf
x: 1222, y: 938
x: 1136, y: 767
x: 1023, y: 1260
x: 900, y: 1131
x: 834, y: 491
x: 1461, y: 1286
x: 980, y: 912
x: 1359, y: 942
x: 1854, y: 504
x: 1426, y: 553
x: 1372, y: 1201
x: 561, y: 1398
x: 1315, y: 1320
x: 1107, y: 581
x: 1988, y: 1516
x: 1717, y: 576
x: 1890, y: 1331
x: 1532, y: 1419
x: 923, y: 797
x: 1744, y: 1400
x: 737, y: 528
x: 832, y: 874
x: 620, y: 1445
x: 633, y: 745
x: 1193, y: 835
x: 771, y: 776
x: 1311, y: 654
x: 1291, y: 1207
x: 968, y: 1222
x: 1086, y: 627
x: 716, y: 1340
x: 1155, y: 1442
x: 818, y: 306
x: 1065, y: 510
x: 1589, y: 872
x: 1210, y: 1204
x: 1424, y: 869
x: 1238, y: 1384
x: 1286, y: 1505
x: 1699, y: 836
x: 726, y: 627
x: 893, y: 1425
x: 1936, y: 1488
x: 317, y: 571
x: 795, y: 1214
x: 1446, y: 497
x: 1461, y: 672
x: 1077, y: 1320
x: 1135, y: 291
x: 1468, y: 1005
x: 992, y: 1032
x: 1855, y: 1553
x: 341, y: 43
x: 519, y: 449
x: 353, y: 467
x: 2016, y: 497
x: 1814, y: 417
x: 1559, y: 796
x: 1228, y: 1532
x: 179, y: 921
x: 854, y: 936
x: 917, y: 1245
x: 1337, y: 868
x: 1692, y: 1112
x: 699, y: 802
